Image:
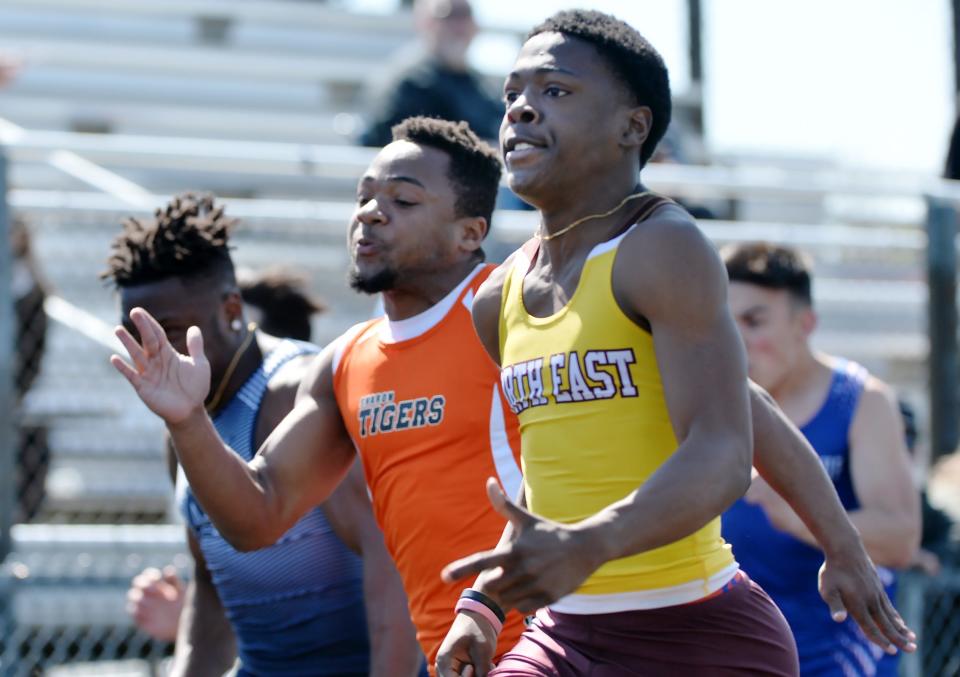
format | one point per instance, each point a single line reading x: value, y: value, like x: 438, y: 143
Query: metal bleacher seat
x: 249, y: 69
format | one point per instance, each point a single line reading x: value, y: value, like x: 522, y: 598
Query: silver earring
x: 236, y: 325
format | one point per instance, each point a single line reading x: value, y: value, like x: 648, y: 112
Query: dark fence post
x: 942, y: 317
x: 7, y: 403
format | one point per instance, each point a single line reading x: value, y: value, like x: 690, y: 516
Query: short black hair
x: 772, y: 267
x: 187, y: 238
x: 285, y: 304
x: 474, y: 165
x: 629, y: 55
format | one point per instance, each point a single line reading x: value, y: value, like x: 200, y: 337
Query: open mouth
x: 516, y: 148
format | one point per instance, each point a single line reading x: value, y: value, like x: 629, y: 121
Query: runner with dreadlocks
x: 296, y: 607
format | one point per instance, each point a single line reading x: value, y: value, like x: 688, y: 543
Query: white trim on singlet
x: 521, y: 260
x: 394, y: 331
x: 503, y: 458
x: 340, y: 343
x: 604, y: 247
x: 645, y: 599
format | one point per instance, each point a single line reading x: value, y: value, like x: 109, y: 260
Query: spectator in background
x: 278, y: 300
x: 438, y: 83
x: 853, y: 422
x: 9, y: 67
x: 29, y: 293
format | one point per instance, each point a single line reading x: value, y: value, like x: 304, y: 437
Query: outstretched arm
x: 393, y: 639
x: 848, y: 580
x: 298, y: 467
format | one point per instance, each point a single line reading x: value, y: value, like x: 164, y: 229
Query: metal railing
x: 293, y: 159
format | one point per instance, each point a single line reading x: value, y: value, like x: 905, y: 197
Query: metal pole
x: 942, y: 317
x: 7, y: 399
x: 695, y: 36
x: 7, y: 402
x: 695, y: 50
x: 910, y: 603
x: 955, y: 6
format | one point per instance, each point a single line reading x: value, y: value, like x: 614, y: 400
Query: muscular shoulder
x: 486, y: 307
x: 287, y: 379
x: 667, y: 267
x: 282, y: 389
x: 877, y: 405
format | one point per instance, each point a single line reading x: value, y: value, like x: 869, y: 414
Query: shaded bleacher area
x: 258, y: 101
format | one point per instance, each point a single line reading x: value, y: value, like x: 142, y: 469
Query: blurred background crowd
x: 828, y: 127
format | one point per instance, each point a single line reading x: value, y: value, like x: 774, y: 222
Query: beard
x: 382, y: 280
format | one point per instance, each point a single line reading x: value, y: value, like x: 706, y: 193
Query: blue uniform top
x: 297, y: 606
x: 787, y: 568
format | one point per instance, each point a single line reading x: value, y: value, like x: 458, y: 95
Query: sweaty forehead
x: 411, y: 162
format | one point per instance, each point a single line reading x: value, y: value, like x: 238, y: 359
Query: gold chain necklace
x: 234, y: 361
x: 551, y: 236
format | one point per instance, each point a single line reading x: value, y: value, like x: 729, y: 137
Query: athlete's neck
x: 801, y: 391
x: 421, y: 293
x: 249, y: 362
x: 565, y: 210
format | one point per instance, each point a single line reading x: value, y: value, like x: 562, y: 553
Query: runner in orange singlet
x: 413, y: 392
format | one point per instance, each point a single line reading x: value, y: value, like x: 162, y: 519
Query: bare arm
x: 787, y: 462
x: 393, y: 639
x: 205, y: 642
x: 298, y: 467
x: 889, y: 516
x: 888, y: 520
x: 848, y: 580
x: 471, y: 640
x: 486, y: 309
x: 680, y: 289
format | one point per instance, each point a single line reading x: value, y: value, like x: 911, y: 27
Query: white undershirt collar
x: 394, y: 331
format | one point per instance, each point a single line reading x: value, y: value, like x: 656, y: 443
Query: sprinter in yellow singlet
x: 623, y: 364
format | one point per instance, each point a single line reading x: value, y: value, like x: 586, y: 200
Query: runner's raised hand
x: 170, y: 384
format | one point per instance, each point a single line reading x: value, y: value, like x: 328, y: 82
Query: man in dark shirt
x: 439, y: 83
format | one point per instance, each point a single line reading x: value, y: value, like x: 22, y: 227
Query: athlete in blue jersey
x: 297, y: 607
x: 852, y: 421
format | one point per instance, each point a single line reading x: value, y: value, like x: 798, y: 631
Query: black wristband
x: 478, y: 596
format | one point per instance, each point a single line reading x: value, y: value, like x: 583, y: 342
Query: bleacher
x: 251, y: 69
x: 258, y: 100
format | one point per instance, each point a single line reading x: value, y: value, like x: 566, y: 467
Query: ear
x: 233, y: 306
x: 637, y: 128
x: 471, y: 232
x: 808, y: 321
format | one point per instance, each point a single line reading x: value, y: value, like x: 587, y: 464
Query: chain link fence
x: 931, y: 605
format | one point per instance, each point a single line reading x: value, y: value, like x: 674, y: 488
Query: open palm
x: 172, y: 385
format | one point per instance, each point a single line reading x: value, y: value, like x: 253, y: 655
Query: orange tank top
x: 422, y: 401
